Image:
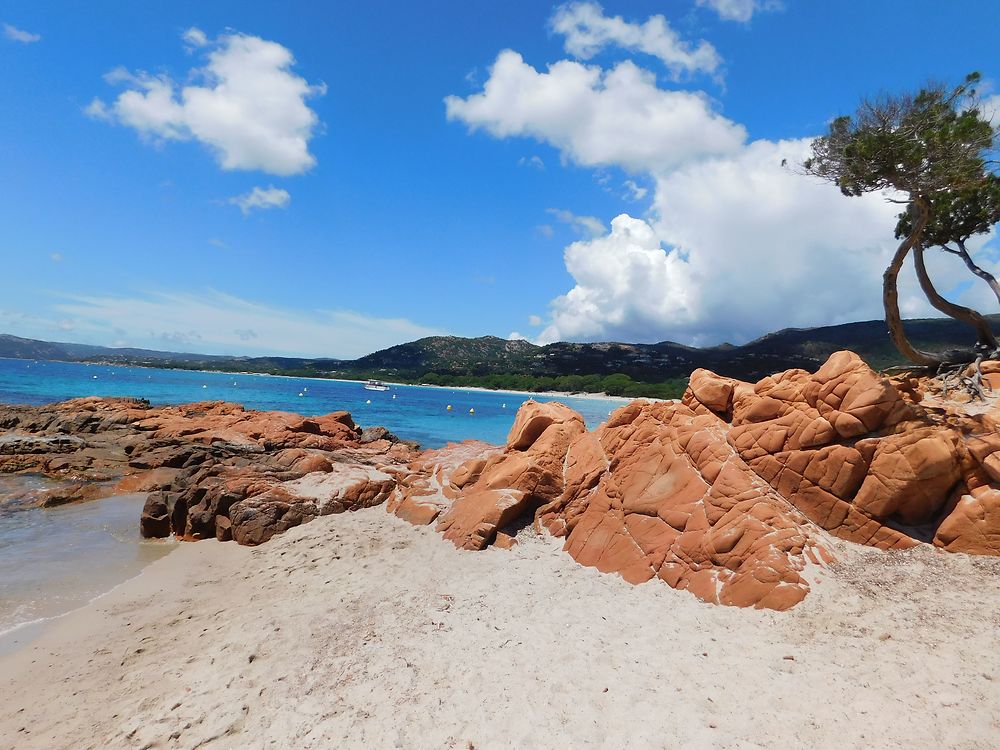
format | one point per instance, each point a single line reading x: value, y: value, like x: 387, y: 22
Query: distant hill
x: 630, y: 369
x: 792, y: 347
x: 486, y: 355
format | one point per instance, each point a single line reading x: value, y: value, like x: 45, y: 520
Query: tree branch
x: 984, y: 334
x: 920, y: 208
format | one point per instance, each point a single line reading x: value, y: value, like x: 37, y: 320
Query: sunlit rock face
x: 730, y: 493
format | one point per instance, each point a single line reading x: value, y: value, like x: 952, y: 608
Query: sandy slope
x: 362, y: 631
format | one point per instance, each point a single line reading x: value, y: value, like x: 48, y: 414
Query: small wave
x: 4, y: 632
x: 27, y: 623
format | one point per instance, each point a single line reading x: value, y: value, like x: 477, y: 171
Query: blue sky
x: 383, y: 213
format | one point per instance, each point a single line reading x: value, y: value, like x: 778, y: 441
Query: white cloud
x: 586, y: 225
x: 587, y: 31
x: 250, y: 109
x: 739, y: 10
x: 56, y: 257
x: 515, y: 336
x: 219, y: 323
x: 617, y: 117
x: 634, y: 191
x: 620, y: 280
x: 19, y: 35
x: 195, y: 37
x: 535, y: 320
x: 739, y: 246
x: 262, y: 198
x: 98, y: 110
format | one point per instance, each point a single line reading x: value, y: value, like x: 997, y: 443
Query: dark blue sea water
x: 55, y: 560
x: 412, y: 412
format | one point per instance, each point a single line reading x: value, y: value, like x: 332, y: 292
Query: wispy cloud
x: 589, y: 226
x: 20, y: 35
x: 195, y: 37
x: 262, y: 199
x: 587, y: 31
x: 740, y: 11
x: 634, y: 191
x: 214, y: 322
x: 531, y: 161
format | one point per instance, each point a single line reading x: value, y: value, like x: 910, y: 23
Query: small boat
x: 376, y: 385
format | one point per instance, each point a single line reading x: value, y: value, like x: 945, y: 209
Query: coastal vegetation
x: 617, y: 384
x: 632, y: 370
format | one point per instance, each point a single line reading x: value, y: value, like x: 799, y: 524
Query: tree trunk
x: 920, y: 212
x: 984, y: 335
x: 980, y: 272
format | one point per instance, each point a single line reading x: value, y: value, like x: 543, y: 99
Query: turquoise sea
x: 55, y: 560
x: 412, y: 412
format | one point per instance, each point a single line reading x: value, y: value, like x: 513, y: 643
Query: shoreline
x: 19, y: 637
x: 547, y: 394
x: 78, y: 552
x: 358, y: 630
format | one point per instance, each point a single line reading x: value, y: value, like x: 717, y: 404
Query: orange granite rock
x: 728, y: 493
x: 212, y: 469
x: 528, y: 473
x: 433, y: 479
x: 973, y: 525
x: 674, y: 500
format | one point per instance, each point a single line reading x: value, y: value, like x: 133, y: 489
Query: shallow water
x: 54, y: 560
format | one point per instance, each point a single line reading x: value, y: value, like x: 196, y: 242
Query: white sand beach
x: 359, y: 630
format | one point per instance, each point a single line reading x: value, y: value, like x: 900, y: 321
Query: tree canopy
x: 933, y: 150
x: 926, y: 143
x: 957, y: 215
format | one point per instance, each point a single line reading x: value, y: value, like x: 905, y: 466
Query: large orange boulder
x: 222, y: 422
x: 526, y: 474
x: 973, y: 525
x: 729, y: 493
x: 659, y: 492
x: 866, y: 460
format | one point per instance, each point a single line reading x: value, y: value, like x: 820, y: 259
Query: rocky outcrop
x: 733, y: 493
x: 730, y: 493
x: 429, y: 486
x: 864, y: 459
x: 211, y: 469
x: 527, y: 473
